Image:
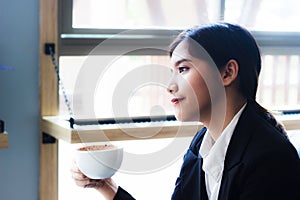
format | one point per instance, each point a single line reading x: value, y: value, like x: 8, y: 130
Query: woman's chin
x: 183, y: 118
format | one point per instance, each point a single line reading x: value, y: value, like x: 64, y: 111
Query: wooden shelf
x: 59, y: 128
x: 3, y: 140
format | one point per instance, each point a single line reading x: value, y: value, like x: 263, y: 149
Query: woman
x: 242, y: 153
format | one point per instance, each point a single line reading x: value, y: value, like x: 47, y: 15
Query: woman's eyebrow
x: 178, y: 62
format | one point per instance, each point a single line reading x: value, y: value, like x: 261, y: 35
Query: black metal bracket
x: 72, y: 122
x: 49, y: 46
x: 2, y: 128
x: 48, y: 139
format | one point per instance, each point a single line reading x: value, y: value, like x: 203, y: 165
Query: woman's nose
x: 172, y: 88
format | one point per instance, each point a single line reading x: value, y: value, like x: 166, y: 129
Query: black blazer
x: 260, y: 164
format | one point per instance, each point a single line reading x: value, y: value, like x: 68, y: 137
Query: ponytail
x: 270, y: 119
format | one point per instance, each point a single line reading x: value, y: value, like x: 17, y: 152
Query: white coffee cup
x: 99, y: 161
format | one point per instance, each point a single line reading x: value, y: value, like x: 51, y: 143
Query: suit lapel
x: 238, y: 143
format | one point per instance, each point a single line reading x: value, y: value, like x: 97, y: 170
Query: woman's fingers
x: 107, y: 187
x: 83, y: 181
x: 79, y: 178
x: 77, y: 175
x: 86, y: 182
x: 95, y: 183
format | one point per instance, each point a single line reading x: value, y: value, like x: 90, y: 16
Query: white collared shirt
x: 213, y: 154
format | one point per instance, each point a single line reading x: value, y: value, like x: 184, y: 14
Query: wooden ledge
x: 290, y: 122
x: 3, y: 140
x: 59, y: 128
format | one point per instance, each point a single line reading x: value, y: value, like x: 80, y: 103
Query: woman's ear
x: 229, y: 72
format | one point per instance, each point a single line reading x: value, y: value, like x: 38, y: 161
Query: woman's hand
x: 107, y: 187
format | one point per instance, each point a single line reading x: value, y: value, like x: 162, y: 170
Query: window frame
x: 78, y: 41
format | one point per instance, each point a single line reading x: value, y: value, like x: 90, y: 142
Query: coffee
x: 97, y: 147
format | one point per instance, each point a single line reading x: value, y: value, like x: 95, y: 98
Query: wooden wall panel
x: 48, y: 99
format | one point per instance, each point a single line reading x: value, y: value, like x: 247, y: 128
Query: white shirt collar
x: 213, y: 152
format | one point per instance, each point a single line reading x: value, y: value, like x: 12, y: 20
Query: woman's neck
x: 233, y: 105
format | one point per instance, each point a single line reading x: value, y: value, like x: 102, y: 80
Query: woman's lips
x: 176, y: 100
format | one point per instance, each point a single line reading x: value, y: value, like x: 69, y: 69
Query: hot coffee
x: 97, y: 147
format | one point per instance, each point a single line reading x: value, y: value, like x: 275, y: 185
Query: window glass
x: 138, y: 14
x: 264, y: 15
x: 126, y: 86
x: 279, y: 85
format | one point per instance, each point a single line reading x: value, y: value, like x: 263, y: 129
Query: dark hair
x: 224, y: 41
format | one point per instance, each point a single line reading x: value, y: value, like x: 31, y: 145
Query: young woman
x: 242, y: 153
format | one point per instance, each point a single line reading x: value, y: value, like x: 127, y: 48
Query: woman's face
x: 189, y: 85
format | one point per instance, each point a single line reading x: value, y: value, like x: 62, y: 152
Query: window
x: 279, y: 85
x: 264, y: 15
x: 141, y: 14
x: 122, y: 37
x: 88, y: 28
x: 145, y: 96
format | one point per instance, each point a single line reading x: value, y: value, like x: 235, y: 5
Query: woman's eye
x: 182, y: 69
